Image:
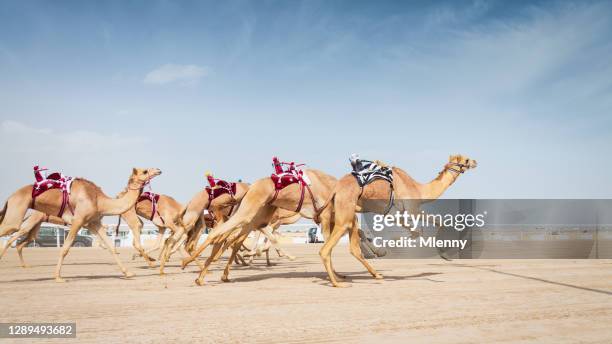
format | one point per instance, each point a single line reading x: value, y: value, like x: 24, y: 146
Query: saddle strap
x: 391, y: 197
x: 65, y: 203
x: 211, y: 198
x: 156, y: 211
x: 301, y: 202
x: 303, y: 188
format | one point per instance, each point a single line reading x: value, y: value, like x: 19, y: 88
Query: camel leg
x: 158, y: 243
x: 217, y: 250
x: 355, y: 249
x: 174, y: 239
x: 274, y: 242
x: 9, y: 231
x: 225, y: 277
x: 268, y: 258
x: 235, y: 249
x: 97, y: 228
x: 74, y: 228
x: 179, y: 243
x: 214, y: 255
x: 253, y: 250
x: 326, y: 252
x: 210, y: 239
x: 31, y: 236
x: 185, y: 254
x: 136, y: 227
x: 326, y: 227
x: 12, y: 239
x: 251, y: 258
x: 241, y: 259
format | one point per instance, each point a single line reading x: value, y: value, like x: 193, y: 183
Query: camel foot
x: 129, y: 274
x: 199, y: 282
x: 341, y: 285
x: 378, y: 276
x: 26, y: 266
x: 225, y: 279
x: 184, y: 263
x: 291, y: 258
x: 60, y: 280
x: 162, y: 274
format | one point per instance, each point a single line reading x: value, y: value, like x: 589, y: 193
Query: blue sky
x: 95, y: 88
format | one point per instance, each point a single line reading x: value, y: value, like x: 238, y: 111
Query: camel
x: 219, y: 212
x: 256, y: 211
x: 87, y: 205
x: 166, y: 213
x: 30, y: 228
x: 349, y: 199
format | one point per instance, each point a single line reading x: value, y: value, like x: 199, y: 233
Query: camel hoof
x: 26, y: 266
x: 378, y: 276
x: 60, y: 280
x: 225, y: 279
x: 341, y: 285
x: 184, y: 264
x: 291, y: 258
x: 129, y: 274
x: 199, y: 282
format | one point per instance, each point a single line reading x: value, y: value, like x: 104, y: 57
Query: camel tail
x: 118, y: 224
x: 3, y: 211
x: 329, y: 200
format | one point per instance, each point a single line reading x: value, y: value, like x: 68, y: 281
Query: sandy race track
x: 433, y: 301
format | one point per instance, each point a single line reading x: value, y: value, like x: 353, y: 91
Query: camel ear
x: 134, y: 171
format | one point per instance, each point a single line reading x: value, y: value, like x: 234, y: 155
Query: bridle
x: 462, y: 167
x: 145, y: 183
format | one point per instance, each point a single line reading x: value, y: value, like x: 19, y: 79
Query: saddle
x: 54, y: 180
x: 218, y: 187
x: 154, y: 198
x: 366, y: 171
x: 284, y: 177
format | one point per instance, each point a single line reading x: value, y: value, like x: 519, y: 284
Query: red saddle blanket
x: 154, y: 198
x: 54, y: 180
x: 218, y: 187
x: 285, y: 176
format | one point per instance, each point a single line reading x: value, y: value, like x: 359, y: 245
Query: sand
x: 426, y: 300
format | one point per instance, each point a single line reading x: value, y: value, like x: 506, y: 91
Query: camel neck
x: 434, y: 189
x: 125, y: 200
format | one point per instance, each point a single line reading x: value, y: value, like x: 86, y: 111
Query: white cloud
x: 17, y: 137
x: 168, y: 73
x: 106, y: 159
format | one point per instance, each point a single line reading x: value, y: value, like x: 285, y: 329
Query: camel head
x: 142, y: 176
x: 459, y: 163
